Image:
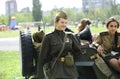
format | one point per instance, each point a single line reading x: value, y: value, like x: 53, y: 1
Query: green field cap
x: 61, y: 14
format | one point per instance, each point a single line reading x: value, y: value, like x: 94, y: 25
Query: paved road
x: 9, y: 43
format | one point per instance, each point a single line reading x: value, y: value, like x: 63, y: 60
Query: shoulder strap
x: 104, y: 33
x: 59, y: 52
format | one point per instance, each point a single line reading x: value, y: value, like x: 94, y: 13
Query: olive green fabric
x: 61, y: 14
x: 37, y: 39
x: 38, y: 36
x: 104, y: 68
x: 69, y: 61
x: 106, y: 41
x: 37, y: 45
x: 50, y: 48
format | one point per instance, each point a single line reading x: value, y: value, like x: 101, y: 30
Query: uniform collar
x: 59, y: 31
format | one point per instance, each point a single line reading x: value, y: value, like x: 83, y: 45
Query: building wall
x: 11, y: 6
x: 94, y: 4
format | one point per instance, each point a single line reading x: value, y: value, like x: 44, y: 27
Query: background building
x: 11, y: 7
x: 95, y: 4
x: 25, y: 10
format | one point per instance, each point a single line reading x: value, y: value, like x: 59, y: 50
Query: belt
x: 61, y: 59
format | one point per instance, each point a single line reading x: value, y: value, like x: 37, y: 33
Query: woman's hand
x: 99, y: 49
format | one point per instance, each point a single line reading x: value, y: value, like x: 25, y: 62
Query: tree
x: 23, y: 17
x: 37, y: 12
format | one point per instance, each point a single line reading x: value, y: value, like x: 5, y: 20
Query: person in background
x: 51, y: 47
x: 37, y: 41
x: 84, y: 35
x: 69, y: 30
x: 82, y: 25
x: 108, y: 44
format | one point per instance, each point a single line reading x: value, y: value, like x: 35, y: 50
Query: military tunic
x: 51, y: 46
x: 107, y: 41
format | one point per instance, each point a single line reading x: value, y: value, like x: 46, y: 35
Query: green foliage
x: 20, y: 17
x: 23, y: 17
x: 37, y: 13
x: 49, y: 17
x: 46, y: 18
x: 101, y: 14
x: 3, y: 20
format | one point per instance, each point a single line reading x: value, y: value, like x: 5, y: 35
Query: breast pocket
x: 56, y: 45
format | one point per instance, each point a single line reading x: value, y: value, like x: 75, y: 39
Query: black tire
x: 27, y: 54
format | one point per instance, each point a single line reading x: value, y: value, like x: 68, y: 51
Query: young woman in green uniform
x: 51, y: 47
x: 108, y: 44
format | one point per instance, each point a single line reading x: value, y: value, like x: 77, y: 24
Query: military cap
x: 112, y: 19
x: 61, y: 14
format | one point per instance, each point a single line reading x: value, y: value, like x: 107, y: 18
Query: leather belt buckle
x: 62, y: 59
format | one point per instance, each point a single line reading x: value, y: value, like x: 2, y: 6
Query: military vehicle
x: 89, y: 64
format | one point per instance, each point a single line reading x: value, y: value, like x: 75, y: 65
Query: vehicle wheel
x: 27, y: 53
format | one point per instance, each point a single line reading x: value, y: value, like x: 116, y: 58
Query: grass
x: 9, y: 33
x: 10, y: 67
x: 15, y: 33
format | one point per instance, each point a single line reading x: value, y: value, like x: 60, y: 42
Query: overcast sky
x: 46, y: 4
